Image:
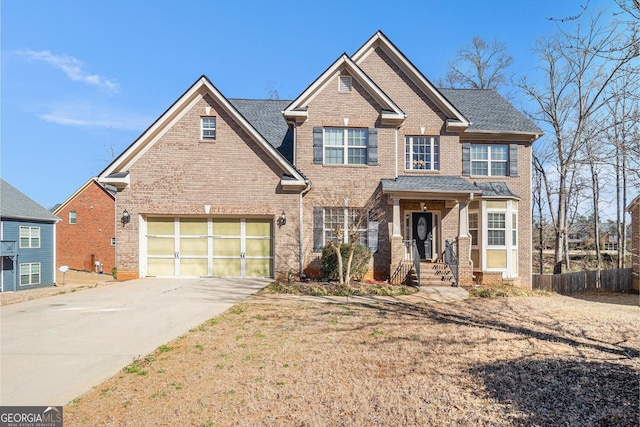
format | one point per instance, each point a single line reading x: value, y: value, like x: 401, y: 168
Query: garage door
x: 210, y: 247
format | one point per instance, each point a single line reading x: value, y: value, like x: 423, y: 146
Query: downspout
x: 396, y: 156
x: 301, y: 228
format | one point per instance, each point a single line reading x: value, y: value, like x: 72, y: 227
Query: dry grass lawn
x: 521, y: 361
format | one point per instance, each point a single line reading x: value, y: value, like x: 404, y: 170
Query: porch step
x: 435, y: 274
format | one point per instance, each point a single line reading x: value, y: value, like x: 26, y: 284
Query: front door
x: 422, y: 224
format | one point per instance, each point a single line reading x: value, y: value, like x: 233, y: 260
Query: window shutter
x: 466, y: 159
x: 372, y: 149
x: 317, y: 145
x: 318, y: 229
x: 513, y: 159
x: 372, y: 236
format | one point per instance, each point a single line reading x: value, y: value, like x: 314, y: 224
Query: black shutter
x: 513, y: 159
x: 372, y: 149
x: 318, y: 229
x: 466, y: 159
x: 317, y: 145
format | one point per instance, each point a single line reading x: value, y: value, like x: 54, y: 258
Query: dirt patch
x: 71, y: 281
x: 485, y: 361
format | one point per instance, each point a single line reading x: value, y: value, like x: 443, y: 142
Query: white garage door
x: 210, y: 247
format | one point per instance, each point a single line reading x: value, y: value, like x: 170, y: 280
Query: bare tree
x: 578, y: 70
x: 480, y: 65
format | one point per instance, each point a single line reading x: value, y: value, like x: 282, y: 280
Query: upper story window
x: 73, y: 217
x: 489, y: 159
x: 29, y: 237
x: 422, y: 153
x: 345, y: 146
x: 208, y: 127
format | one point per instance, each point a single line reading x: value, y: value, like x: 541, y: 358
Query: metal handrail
x: 416, y: 259
x: 451, y: 259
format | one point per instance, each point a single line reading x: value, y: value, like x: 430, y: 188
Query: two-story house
x: 231, y: 187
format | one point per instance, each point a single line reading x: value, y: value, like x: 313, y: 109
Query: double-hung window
x: 496, y: 229
x: 208, y: 127
x: 345, y: 146
x: 29, y: 273
x: 343, y: 222
x: 73, y: 217
x: 29, y: 237
x: 473, y: 228
x: 422, y: 153
x: 489, y: 159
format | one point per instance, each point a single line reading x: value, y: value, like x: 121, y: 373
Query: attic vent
x: 345, y: 84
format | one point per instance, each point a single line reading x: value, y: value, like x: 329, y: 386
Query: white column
x: 463, y: 219
x: 396, y: 217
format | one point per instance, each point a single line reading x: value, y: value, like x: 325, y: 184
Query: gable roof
x: 266, y: 116
x: 16, y: 205
x: 489, y: 112
x: 117, y: 172
x: 92, y: 181
x: 297, y: 110
x: 455, y: 119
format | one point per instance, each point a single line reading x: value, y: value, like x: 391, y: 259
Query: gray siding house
x: 27, y: 231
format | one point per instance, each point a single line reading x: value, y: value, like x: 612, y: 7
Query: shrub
x: 359, y: 265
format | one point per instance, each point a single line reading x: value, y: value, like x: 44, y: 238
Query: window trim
x: 73, y: 217
x: 490, y: 214
x: 30, y: 274
x: 203, y: 129
x: 345, y: 146
x: 434, y: 147
x: 489, y: 160
x: 31, y: 238
x: 347, y: 216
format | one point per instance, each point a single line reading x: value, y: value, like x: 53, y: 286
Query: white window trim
x: 73, y: 219
x: 432, y: 143
x: 203, y: 129
x: 489, y: 161
x: 345, y: 226
x: 30, y: 264
x: 345, y: 146
x: 512, y: 269
x: 31, y: 237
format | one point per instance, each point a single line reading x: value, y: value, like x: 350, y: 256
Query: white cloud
x: 84, y: 115
x: 72, y: 67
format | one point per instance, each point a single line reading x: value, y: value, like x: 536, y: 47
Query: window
x: 345, y: 146
x: 422, y: 153
x: 29, y: 273
x: 29, y: 237
x: 489, y: 160
x: 473, y: 228
x: 208, y: 128
x: 496, y: 227
x: 72, y: 217
x: 343, y: 221
x: 514, y: 229
x: 344, y: 84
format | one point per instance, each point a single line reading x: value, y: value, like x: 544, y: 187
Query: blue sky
x: 81, y: 80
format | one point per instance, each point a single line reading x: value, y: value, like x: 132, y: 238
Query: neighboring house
x: 634, y: 209
x: 27, y: 231
x: 226, y: 187
x: 86, y: 234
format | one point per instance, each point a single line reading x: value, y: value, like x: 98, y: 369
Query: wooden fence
x: 584, y: 281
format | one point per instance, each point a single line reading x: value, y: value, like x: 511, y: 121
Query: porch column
x: 396, y: 217
x: 397, y: 247
x: 465, y: 266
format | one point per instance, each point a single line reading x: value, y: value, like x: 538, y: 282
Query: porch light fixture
x: 282, y: 219
x: 424, y: 206
x: 126, y: 218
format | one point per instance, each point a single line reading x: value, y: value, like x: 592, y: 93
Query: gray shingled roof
x: 266, y: 116
x: 435, y: 184
x: 488, y: 111
x: 495, y: 189
x: 14, y: 204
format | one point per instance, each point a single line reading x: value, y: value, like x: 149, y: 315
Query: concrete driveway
x: 55, y: 349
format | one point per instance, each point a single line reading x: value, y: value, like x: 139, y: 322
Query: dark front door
x: 422, y: 233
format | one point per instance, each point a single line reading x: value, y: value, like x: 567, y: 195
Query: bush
x: 359, y: 265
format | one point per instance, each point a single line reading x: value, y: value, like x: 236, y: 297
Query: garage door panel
x: 193, y: 267
x: 226, y: 247
x: 161, y: 226
x: 226, y: 267
x: 226, y: 227
x: 161, y: 266
x: 258, y: 247
x: 258, y: 227
x: 258, y: 267
x: 193, y: 246
x: 193, y: 226
x: 160, y: 246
